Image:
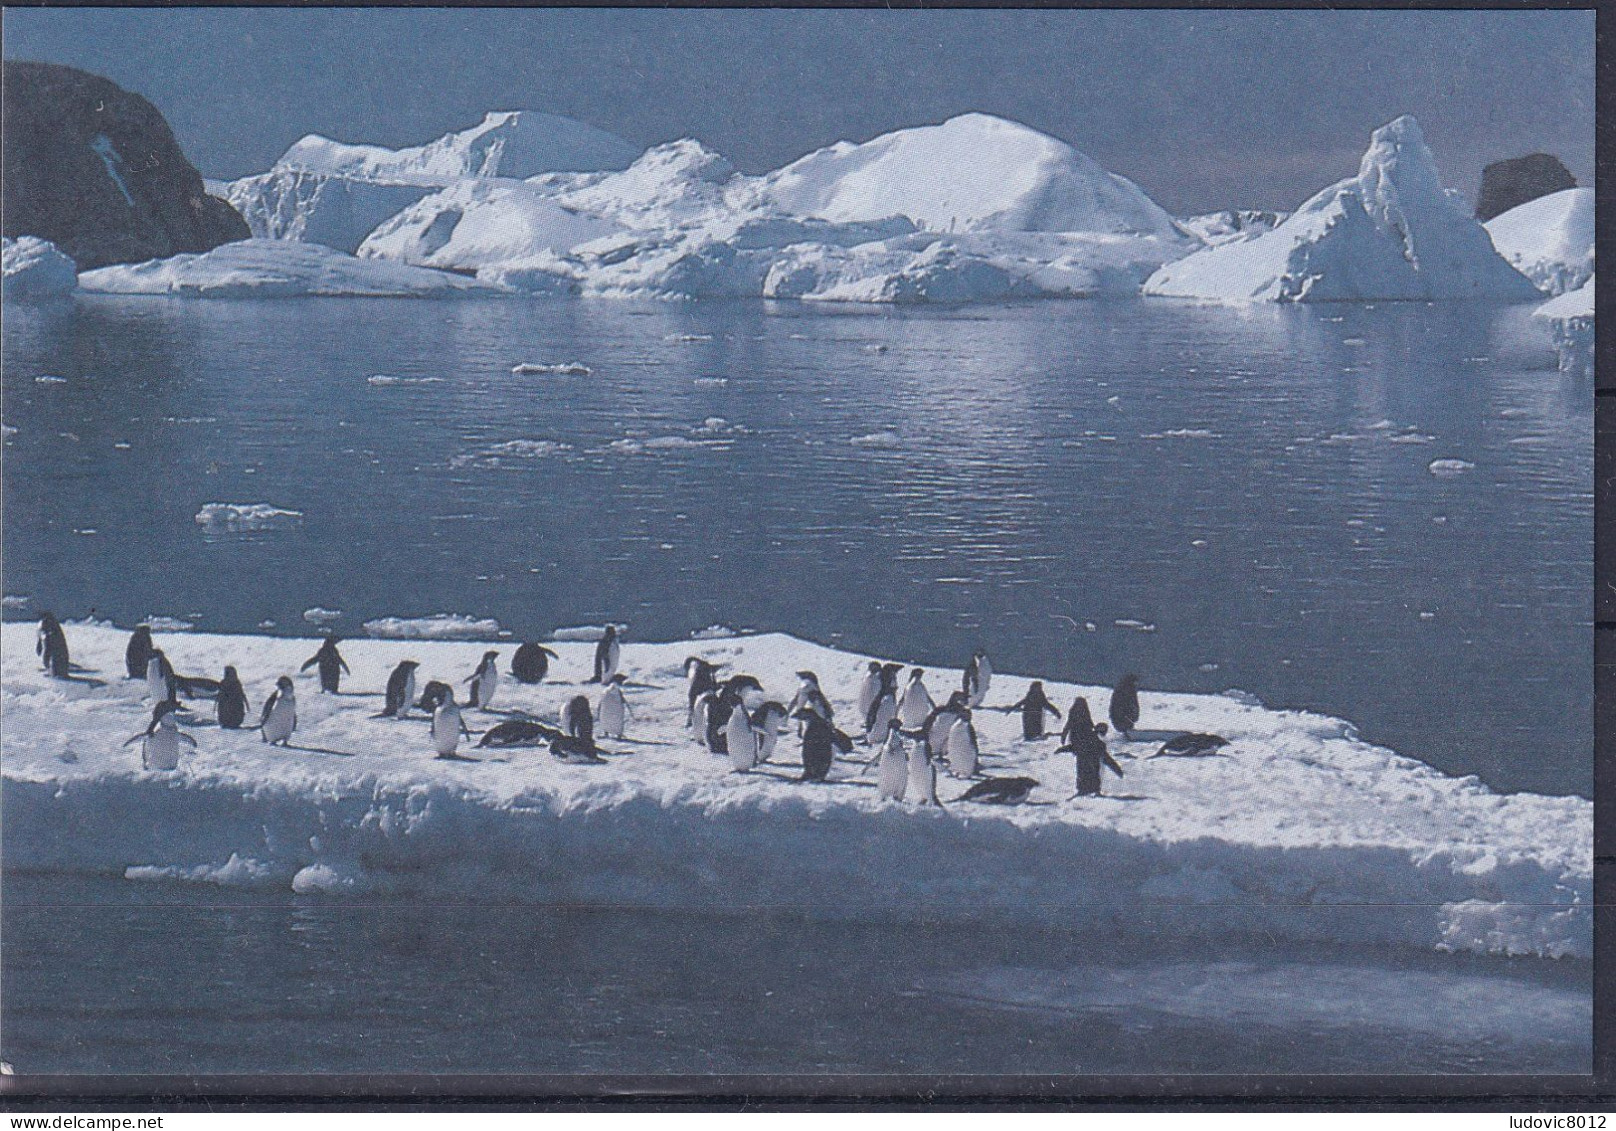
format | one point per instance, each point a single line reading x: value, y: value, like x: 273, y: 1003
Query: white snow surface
x: 1231, y: 225
x: 260, y: 268
x: 1577, y: 305
x: 1550, y: 240
x: 36, y: 268
x: 506, y: 143
x: 1391, y: 232
x: 1301, y: 830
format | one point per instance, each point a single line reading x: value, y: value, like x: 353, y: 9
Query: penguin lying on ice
x: 1000, y: 791
x: 519, y: 732
x: 1191, y: 746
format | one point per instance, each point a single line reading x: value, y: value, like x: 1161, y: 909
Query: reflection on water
x: 1215, y: 498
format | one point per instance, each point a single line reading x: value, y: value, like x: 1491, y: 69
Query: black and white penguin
x: 579, y: 720
x: 614, y: 711
x: 869, y: 690
x: 160, y: 741
x: 1033, y: 707
x: 941, y: 721
x: 915, y: 704
x: 1086, y: 744
x: 232, y: 702
x: 160, y: 677
x: 51, y: 646
x: 885, y: 708
x: 701, y: 677
x: 961, y: 750
x: 810, y: 697
x: 195, y: 687
x: 576, y: 751
x: 532, y: 663
x: 977, y: 677
x: 608, y: 654
x: 484, y: 681
x: 701, y: 714
x: 741, y: 739
x: 922, y: 789
x: 1000, y: 791
x: 1191, y: 746
x: 279, y: 718
x: 332, y: 665
x: 139, y: 651
x: 432, y: 694
x: 767, y: 721
x: 1124, y: 709
x: 448, y: 724
x: 820, y: 743
x: 893, y: 778
x: 518, y: 732
x: 400, y: 690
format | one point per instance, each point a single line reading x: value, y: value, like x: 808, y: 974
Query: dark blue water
x: 1216, y: 474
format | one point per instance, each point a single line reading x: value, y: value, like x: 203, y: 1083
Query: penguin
x: 820, y: 743
x: 741, y: 740
x: 731, y: 697
x: 400, y: 691
x: 579, y: 720
x: 883, y: 712
x: 279, y: 718
x: 1086, y: 744
x: 532, y: 663
x: 976, y: 679
x: 962, y: 750
x: 702, y: 677
x: 614, y: 710
x: 916, y: 704
x: 518, y: 732
x: 432, y: 695
x: 160, y: 749
x: 160, y: 677
x: 232, y: 701
x: 1033, y: 707
x: 701, y: 712
x: 1124, y: 710
x: 922, y: 789
x: 577, y: 751
x: 139, y: 651
x: 767, y: 721
x: 332, y: 665
x: 608, y: 653
x: 941, y: 721
x: 809, y: 696
x: 484, y: 681
x: 447, y: 727
x: 1191, y: 746
x: 869, y: 689
x: 51, y: 646
x: 894, y: 775
x: 1000, y: 791
x: 196, y: 686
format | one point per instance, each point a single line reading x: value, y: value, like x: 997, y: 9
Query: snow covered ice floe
x: 247, y: 516
x: 276, y: 269
x: 1301, y: 830
x: 1571, y: 317
x: 35, y: 268
x: 1391, y: 232
x: 439, y: 626
x: 1550, y: 240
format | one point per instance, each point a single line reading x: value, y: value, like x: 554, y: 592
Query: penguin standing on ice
x: 701, y: 716
x: 1124, y: 710
x: 894, y: 759
x: 578, y: 720
x: 767, y: 721
x: 885, y: 708
x: 809, y: 697
x: 922, y: 789
x: 400, y: 691
x: 941, y: 721
x: 51, y: 646
x: 820, y: 743
x: 976, y: 679
x: 160, y: 677
x: 332, y: 665
x: 139, y: 651
x: 484, y: 681
x: 1086, y: 743
x: 279, y: 718
x: 916, y: 703
x: 701, y: 677
x: 448, y: 725
x: 608, y: 654
x: 1033, y: 707
x: 160, y: 741
x: 614, y: 712
x: 869, y: 690
x: 962, y: 750
x: 231, y: 704
x: 432, y: 694
x: 532, y: 663
x: 741, y: 740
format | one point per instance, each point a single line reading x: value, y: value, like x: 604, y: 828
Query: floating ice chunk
x: 715, y: 632
x: 1410, y: 438
x: 440, y: 626
x: 587, y: 633
x: 238, y: 871
x: 168, y: 624
x: 329, y: 879
x: 247, y: 516
x: 14, y: 601
x: 34, y: 268
x: 1138, y: 625
x: 1448, y: 467
x: 511, y: 449
x: 387, y: 379
x: 687, y: 338
x: 671, y: 443
x: 558, y: 369
x: 710, y: 382
x: 317, y: 615
x: 886, y: 438
x: 49, y: 379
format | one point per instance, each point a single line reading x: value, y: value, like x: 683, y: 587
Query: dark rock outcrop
x: 1509, y: 184
x: 96, y: 171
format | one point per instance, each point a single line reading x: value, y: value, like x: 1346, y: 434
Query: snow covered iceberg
x: 36, y: 268
x: 1550, y: 240
x: 275, y: 269
x: 1297, y: 829
x: 1391, y: 232
x: 1571, y: 316
x: 323, y: 208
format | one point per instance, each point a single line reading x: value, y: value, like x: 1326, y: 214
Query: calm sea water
x: 1213, y: 498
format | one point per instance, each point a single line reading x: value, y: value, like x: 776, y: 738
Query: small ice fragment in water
x: 1198, y: 542
x: 1427, y: 616
x: 317, y: 615
x: 1129, y: 622
x: 714, y: 632
x: 1353, y: 342
x: 266, y: 624
x: 168, y: 624
x: 875, y: 347
x: 710, y: 382
x: 12, y: 601
x: 247, y: 516
x: 385, y: 379
x: 440, y: 626
x: 1449, y: 466
x: 688, y: 338
x: 47, y: 379
x: 1208, y: 667
x: 560, y: 369
x: 587, y: 633
x: 122, y: 445
x: 886, y: 438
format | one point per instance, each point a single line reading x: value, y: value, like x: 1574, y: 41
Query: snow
x: 275, y: 269
x: 1231, y: 225
x: 247, y: 516
x: 1391, y: 232
x: 36, y: 268
x: 1301, y: 830
x: 1571, y: 306
x: 323, y: 208
x: 507, y: 143
x: 440, y: 626
x: 479, y: 224
x: 1550, y: 240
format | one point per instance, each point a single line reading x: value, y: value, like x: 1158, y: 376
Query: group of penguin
x: 734, y: 717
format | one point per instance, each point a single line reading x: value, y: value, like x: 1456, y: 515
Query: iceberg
x: 276, y: 269
x: 1391, y: 232
x: 247, y: 516
x: 1231, y: 225
x: 36, y: 268
x: 322, y: 208
x: 1351, y: 842
x: 1550, y: 240
x: 1571, y: 317
x: 1574, y: 305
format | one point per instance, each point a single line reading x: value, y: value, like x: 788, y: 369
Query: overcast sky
x: 1204, y: 109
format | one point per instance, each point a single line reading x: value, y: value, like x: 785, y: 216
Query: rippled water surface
x: 1214, y: 498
